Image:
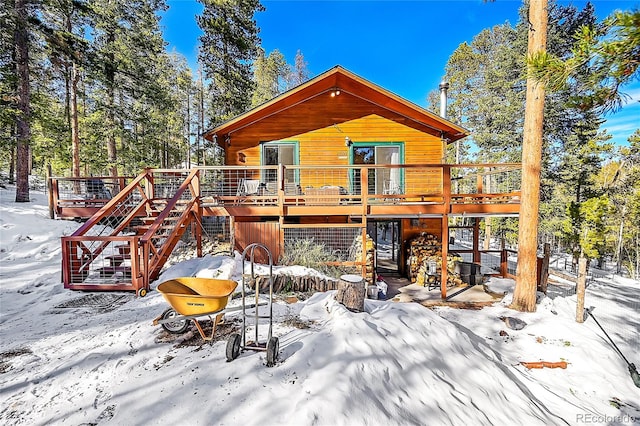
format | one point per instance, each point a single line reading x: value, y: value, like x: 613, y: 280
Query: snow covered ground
x: 95, y: 358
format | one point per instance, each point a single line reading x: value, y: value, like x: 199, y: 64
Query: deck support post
x: 446, y: 192
x: 445, y: 254
x: 476, y: 240
x: 504, y: 260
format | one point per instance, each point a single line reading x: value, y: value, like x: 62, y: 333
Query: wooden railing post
x: 544, y: 269
x: 281, y: 189
x: 364, y: 188
x: 50, y: 192
x: 446, y: 192
x: 504, y: 259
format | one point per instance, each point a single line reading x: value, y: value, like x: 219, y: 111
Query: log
x: 545, y: 364
x: 351, y: 292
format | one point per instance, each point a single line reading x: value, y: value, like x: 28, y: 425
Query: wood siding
x: 326, y: 147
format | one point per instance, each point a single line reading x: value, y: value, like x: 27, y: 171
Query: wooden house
x: 348, y: 155
x: 332, y: 162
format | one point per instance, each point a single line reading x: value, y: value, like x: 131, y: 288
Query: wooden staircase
x: 125, y: 245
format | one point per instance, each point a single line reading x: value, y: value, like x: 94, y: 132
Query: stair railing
x: 156, y: 244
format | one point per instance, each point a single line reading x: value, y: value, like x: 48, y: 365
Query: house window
x: 276, y: 153
x: 381, y: 181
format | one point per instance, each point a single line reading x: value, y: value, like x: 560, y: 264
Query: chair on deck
x: 248, y: 187
x: 391, y: 187
x: 96, y: 189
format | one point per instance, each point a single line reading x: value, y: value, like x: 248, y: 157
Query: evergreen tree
x: 228, y: 46
x: 67, y: 48
x: 128, y: 56
x: 300, y: 73
x: 22, y: 14
x: 8, y: 87
x: 270, y: 76
x: 619, y: 179
x: 487, y: 81
x: 610, y: 51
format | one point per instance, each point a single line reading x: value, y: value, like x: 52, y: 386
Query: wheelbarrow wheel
x: 174, y: 327
x: 233, y: 347
x: 273, y: 346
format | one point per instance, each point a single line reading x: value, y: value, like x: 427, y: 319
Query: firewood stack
x: 356, y: 255
x: 422, y: 250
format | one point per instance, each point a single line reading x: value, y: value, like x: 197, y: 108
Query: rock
x: 514, y: 323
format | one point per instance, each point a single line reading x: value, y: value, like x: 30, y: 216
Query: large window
x: 383, y: 180
x: 275, y: 153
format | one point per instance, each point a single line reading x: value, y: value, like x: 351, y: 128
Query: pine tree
x: 128, y: 56
x: 228, y: 47
x: 300, y: 73
x: 270, y: 75
x: 8, y: 87
x: 524, y: 295
x: 611, y: 53
x: 23, y: 104
x: 67, y: 49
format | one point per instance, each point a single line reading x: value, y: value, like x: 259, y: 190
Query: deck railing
x: 460, y: 186
x: 361, y: 184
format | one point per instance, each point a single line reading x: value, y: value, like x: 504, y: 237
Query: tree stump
x: 351, y: 292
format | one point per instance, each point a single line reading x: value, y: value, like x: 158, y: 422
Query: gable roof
x: 356, y: 98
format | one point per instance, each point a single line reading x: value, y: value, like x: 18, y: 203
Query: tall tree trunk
x: 23, y: 134
x: 618, y: 254
x: 12, y: 159
x: 524, y: 296
x: 112, y: 155
x: 73, y: 112
x: 201, y: 123
x: 189, y: 126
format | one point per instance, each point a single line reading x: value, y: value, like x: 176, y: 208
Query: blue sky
x: 402, y: 46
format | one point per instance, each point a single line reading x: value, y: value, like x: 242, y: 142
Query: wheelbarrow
x: 192, y: 298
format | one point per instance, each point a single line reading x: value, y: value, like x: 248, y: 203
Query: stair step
x: 165, y: 201
x: 149, y: 220
x: 124, y: 248
x: 145, y: 228
x: 117, y: 259
x: 107, y: 271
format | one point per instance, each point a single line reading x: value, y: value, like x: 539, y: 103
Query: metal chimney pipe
x: 444, y: 86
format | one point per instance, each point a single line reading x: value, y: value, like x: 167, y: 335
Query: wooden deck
x: 431, y: 190
x: 159, y: 205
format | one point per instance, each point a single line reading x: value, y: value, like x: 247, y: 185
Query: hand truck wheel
x: 273, y: 346
x: 233, y: 347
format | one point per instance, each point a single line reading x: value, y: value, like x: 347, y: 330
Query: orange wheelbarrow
x: 191, y: 298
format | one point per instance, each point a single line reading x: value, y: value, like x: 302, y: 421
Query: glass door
x: 276, y: 153
x: 387, y: 180
x: 381, y: 181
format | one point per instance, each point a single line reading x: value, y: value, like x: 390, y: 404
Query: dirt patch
x: 474, y: 306
x: 192, y: 338
x: 296, y: 322
x: 98, y: 303
x: 7, y: 356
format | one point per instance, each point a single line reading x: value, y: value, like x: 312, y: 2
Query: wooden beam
x: 445, y: 252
